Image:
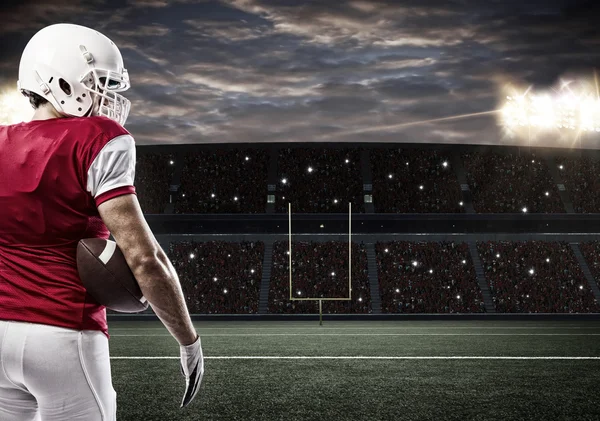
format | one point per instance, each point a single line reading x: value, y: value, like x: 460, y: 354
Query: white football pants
x: 50, y: 373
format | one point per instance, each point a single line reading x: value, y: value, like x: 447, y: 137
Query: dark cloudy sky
x: 331, y: 70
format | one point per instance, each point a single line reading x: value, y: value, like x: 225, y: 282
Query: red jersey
x: 53, y: 175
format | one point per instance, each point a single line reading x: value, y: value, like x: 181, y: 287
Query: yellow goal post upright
x: 321, y: 299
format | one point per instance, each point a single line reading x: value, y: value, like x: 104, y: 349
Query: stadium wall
x: 375, y: 224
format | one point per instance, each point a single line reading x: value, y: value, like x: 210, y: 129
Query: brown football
x: 107, y: 277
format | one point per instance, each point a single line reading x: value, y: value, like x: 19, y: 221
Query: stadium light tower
x: 571, y: 107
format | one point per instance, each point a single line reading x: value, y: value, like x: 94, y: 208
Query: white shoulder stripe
x: 108, y: 251
x: 113, y: 167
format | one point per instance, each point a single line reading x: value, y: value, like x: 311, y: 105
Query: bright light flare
x: 571, y: 107
x: 14, y: 107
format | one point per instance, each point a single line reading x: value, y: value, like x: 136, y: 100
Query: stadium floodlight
x: 567, y: 108
x: 321, y: 299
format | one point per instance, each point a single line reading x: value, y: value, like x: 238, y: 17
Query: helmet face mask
x: 78, y: 70
x: 104, y: 87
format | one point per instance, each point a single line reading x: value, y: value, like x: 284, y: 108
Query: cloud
x: 356, y: 70
x: 143, y: 31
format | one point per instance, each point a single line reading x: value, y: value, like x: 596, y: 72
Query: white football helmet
x: 78, y: 70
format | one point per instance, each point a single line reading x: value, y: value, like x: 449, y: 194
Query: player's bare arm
x: 150, y: 265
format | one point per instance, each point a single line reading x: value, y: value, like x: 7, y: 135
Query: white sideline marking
x: 290, y: 327
x: 203, y: 335
x: 360, y: 357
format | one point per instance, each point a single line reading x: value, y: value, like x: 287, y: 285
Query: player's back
x: 48, y: 200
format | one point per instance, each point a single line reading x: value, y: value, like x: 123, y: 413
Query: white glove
x: 192, y: 368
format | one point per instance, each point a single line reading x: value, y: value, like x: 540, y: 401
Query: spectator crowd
x: 591, y: 254
x: 153, y: 174
x: 581, y: 177
x: 414, y: 181
x: 414, y: 277
x: 511, y: 184
x: 318, y: 180
x: 325, y: 180
x: 427, y: 277
x: 535, y: 277
x: 319, y: 270
x: 223, y: 181
x: 219, y: 277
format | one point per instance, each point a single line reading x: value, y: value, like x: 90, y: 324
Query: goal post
x: 321, y: 299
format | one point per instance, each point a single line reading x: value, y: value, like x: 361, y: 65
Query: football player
x: 66, y: 175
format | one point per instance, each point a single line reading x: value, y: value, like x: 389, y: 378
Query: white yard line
x: 204, y: 335
x: 272, y: 357
x: 297, y: 327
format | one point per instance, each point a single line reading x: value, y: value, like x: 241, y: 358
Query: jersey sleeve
x: 112, y: 172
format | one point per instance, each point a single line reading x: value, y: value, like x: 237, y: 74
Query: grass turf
x: 363, y: 389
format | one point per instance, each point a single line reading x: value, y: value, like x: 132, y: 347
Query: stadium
x: 376, y: 209
x: 440, y: 296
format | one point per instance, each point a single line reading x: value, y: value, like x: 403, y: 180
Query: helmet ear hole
x: 64, y: 85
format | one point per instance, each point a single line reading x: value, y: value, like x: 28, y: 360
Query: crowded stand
x: 535, y: 277
x: 153, y: 175
x: 318, y: 180
x: 511, y: 184
x: 219, y: 277
x: 591, y: 254
x: 319, y: 270
x: 580, y: 177
x: 427, y: 277
x: 224, y: 181
x: 414, y: 181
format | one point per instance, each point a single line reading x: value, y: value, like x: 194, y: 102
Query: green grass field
x: 395, y: 377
